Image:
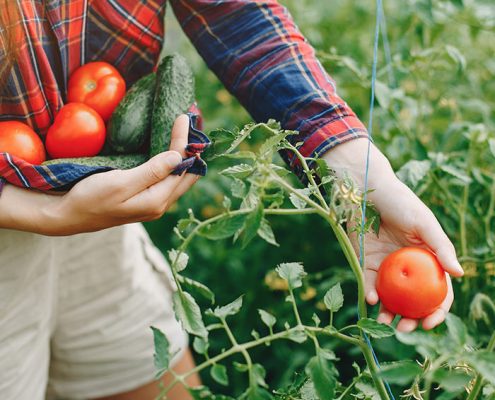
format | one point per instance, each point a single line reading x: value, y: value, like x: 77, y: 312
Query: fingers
x: 180, y: 135
x: 439, y: 315
x: 435, y: 238
x: 152, y: 202
x: 384, y: 316
x: 156, y: 169
x: 187, y: 182
x: 407, y: 325
x: 370, y: 286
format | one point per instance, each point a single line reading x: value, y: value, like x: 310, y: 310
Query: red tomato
x: 21, y: 141
x: 411, y: 282
x: 98, y: 85
x: 78, y: 131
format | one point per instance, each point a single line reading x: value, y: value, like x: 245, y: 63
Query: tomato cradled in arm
x: 98, y: 85
x: 20, y: 140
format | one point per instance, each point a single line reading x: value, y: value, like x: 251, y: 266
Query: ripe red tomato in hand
x: 98, y: 85
x: 21, y: 141
x: 78, y: 131
x: 411, y: 282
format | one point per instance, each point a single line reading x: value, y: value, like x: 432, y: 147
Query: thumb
x: 153, y: 171
x: 435, y: 238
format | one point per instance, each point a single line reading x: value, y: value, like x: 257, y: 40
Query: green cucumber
x: 130, y: 124
x: 116, y: 162
x: 174, y: 95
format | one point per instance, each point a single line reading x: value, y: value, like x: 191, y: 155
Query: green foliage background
x: 435, y: 106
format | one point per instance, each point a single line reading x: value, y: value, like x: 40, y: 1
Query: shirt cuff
x: 330, y: 134
x: 2, y: 184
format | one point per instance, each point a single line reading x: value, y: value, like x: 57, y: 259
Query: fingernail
x: 458, y: 268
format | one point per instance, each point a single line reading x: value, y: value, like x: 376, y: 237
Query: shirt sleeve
x: 256, y: 50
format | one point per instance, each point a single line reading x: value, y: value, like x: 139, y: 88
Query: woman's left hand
x: 405, y: 221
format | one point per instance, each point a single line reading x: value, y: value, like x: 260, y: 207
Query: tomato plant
x: 21, y: 141
x: 78, y: 131
x: 98, y: 85
x: 411, y: 282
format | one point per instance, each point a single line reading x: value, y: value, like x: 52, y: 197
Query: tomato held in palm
x: 78, y: 131
x: 21, y: 141
x: 98, y: 85
x: 411, y: 282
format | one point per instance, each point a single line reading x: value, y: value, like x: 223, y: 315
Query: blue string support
x: 380, y: 21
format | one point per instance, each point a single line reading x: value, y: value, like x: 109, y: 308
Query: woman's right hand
x: 105, y: 199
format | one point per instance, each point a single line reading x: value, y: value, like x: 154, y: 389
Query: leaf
x: 162, y: 355
x: 483, y: 361
x: 457, y: 330
x: 203, y: 393
x: 270, y: 145
x: 184, y: 223
x: 219, y: 373
x: 227, y: 203
x: 426, y: 344
x: 413, y: 172
x: 268, y: 319
x: 323, y: 377
x: 374, y: 328
x: 293, y: 273
x: 200, y: 345
x: 316, y: 319
x: 457, y: 57
x: 188, y: 313
x: 266, y: 233
x: 491, y: 145
x: 383, y: 94
x: 229, y: 309
x: 373, y: 219
x: 334, y: 299
x: 296, y: 201
x: 259, y: 374
x: 452, y: 380
x: 252, y: 224
x: 224, y: 227
x: 298, y: 336
x: 181, y: 257
x: 238, y: 188
x: 370, y: 393
x: 401, y: 372
x: 456, y: 172
x: 308, y: 391
x: 238, y: 171
x: 280, y: 171
x: 198, y: 287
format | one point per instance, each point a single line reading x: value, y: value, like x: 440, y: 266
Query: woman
x: 75, y: 310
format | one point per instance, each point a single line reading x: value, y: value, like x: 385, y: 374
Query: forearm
x: 26, y: 210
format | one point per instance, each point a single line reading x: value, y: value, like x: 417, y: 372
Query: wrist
x: 27, y: 210
x: 350, y: 159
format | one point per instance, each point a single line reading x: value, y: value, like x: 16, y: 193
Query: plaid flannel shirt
x: 254, y: 48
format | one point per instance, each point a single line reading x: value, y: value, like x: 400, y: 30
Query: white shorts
x: 75, y: 313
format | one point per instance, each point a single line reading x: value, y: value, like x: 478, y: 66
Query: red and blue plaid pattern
x: 254, y: 47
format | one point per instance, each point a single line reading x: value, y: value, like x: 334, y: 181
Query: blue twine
x: 379, y: 14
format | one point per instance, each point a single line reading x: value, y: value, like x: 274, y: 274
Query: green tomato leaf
x: 483, y: 361
x: 374, y: 328
x: 457, y: 330
x: 401, y: 372
x: 223, y: 228
x: 238, y: 171
x: 266, y: 233
x: 200, y: 345
x: 293, y: 273
x: 181, y: 259
x: 323, y: 377
x: 334, y: 299
x: 188, y: 313
x: 298, y: 336
x: 162, y: 352
x: 238, y: 188
x: 219, y: 373
x: 413, y: 172
x: 308, y: 391
x: 197, y: 287
x: 268, y: 319
x: 452, y: 380
x: 296, y: 201
x: 229, y: 309
x: 252, y: 224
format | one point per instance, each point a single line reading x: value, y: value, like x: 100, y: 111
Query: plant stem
x: 379, y: 384
x: 462, y: 220
x: 478, y: 381
x: 294, y: 307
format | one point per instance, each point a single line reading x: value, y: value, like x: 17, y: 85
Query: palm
x: 399, y: 229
